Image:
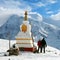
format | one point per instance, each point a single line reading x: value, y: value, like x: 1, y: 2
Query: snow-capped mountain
x: 51, y: 21
x: 11, y: 24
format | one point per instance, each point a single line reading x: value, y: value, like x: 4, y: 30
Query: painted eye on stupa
x: 24, y: 28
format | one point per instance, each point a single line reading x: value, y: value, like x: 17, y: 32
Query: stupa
x: 24, y: 37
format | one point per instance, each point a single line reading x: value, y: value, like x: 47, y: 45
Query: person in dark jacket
x: 39, y: 45
x: 43, y: 45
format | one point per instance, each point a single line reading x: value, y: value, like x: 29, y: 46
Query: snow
x: 51, y: 53
x: 3, y: 18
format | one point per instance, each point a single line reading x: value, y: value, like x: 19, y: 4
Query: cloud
x: 52, y: 1
x: 2, y: 9
x: 9, y: 11
x: 20, y: 12
x: 10, y: 3
x: 40, y: 4
x: 29, y: 5
x: 59, y: 10
x: 25, y: 4
x: 5, y: 13
x: 44, y: 3
x: 36, y: 16
x: 15, y: 4
x: 55, y: 16
x: 49, y: 12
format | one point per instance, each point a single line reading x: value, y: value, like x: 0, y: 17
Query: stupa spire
x: 25, y: 18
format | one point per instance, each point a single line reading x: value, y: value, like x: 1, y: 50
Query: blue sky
x: 47, y: 8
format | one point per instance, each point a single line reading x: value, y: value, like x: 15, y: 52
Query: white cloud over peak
x: 8, y: 11
x: 36, y: 16
x: 5, y: 13
x: 56, y: 16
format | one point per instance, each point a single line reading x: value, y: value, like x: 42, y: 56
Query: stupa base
x: 32, y: 49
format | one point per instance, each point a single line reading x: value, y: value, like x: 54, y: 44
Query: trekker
x: 43, y: 45
x: 39, y: 45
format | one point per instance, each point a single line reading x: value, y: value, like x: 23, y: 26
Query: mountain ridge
x: 39, y: 28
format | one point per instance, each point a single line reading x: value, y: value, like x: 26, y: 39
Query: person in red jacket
x: 39, y: 45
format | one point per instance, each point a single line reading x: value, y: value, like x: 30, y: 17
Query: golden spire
x: 25, y: 18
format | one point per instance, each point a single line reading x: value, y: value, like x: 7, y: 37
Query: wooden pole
x: 9, y: 40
